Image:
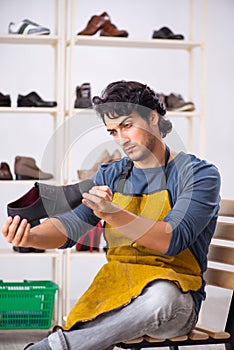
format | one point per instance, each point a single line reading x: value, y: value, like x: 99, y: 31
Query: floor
x: 16, y: 340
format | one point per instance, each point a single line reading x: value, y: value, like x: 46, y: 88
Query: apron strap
x: 128, y: 168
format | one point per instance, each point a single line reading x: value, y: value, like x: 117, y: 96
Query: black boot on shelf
x: 5, y: 100
x: 43, y: 200
x: 83, y: 96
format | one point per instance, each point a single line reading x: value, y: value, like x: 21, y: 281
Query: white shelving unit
x: 58, y: 43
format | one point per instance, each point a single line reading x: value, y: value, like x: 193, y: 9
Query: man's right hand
x: 16, y: 231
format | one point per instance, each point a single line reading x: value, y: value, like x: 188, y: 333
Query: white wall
x: 26, y: 68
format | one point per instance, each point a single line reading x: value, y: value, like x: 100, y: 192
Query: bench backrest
x: 221, y: 252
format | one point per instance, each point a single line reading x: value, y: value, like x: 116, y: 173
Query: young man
x: 160, y: 210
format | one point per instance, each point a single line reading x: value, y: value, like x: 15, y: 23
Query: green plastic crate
x: 27, y: 304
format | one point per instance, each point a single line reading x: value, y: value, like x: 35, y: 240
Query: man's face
x: 134, y: 134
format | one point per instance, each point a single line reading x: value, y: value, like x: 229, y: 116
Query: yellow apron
x: 131, y: 267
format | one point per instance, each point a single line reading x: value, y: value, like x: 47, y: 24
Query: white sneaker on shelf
x: 27, y: 27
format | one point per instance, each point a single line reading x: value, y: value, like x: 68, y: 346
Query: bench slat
x: 221, y: 254
x: 198, y: 335
x: 214, y: 333
x: 220, y: 278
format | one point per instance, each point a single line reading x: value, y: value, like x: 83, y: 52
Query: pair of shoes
x: 5, y: 172
x: 102, y: 23
x: 83, y: 96
x: 91, y: 240
x: 176, y: 103
x: 27, y: 27
x: 34, y: 100
x: 104, y: 158
x: 166, y: 33
x: 25, y: 168
x: 5, y: 100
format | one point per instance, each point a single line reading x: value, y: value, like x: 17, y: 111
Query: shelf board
x: 27, y: 182
x: 27, y: 110
x: 168, y: 114
x: 83, y: 40
x: 28, y: 39
x: 50, y: 253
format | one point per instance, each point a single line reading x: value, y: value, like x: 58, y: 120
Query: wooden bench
x: 221, y: 275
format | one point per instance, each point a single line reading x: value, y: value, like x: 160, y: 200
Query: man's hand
x: 99, y: 199
x: 16, y: 231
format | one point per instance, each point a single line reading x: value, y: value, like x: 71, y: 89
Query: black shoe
x: 34, y: 100
x: 44, y: 200
x: 5, y: 100
x: 166, y: 33
x: 83, y: 96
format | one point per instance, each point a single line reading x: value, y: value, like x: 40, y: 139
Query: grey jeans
x: 161, y: 311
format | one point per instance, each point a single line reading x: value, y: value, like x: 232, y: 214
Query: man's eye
x: 112, y: 132
x: 127, y: 125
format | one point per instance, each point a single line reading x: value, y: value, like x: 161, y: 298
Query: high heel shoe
x: 91, y: 240
x: 44, y: 200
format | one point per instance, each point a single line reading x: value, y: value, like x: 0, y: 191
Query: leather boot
x: 25, y: 169
x: 44, y: 200
x: 104, y: 158
x: 5, y: 172
x: 83, y: 96
x: 109, y: 29
x: 95, y: 24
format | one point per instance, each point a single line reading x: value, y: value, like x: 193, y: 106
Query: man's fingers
x: 12, y: 228
x: 6, y: 226
x: 103, y: 192
x: 21, y: 238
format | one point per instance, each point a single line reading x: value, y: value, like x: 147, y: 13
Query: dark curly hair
x: 124, y: 97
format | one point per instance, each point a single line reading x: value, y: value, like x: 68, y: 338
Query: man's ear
x: 154, y: 117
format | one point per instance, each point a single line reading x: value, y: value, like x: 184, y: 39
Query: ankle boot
x: 25, y: 168
x: 83, y: 96
x: 104, y: 158
x: 44, y: 200
x: 5, y: 172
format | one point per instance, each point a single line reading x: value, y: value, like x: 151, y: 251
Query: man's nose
x: 122, y: 138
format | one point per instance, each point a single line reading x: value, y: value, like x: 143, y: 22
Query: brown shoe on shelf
x: 175, y: 102
x: 109, y: 29
x: 26, y: 169
x: 95, y: 24
x: 5, y: 172
x: 104, y: 158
